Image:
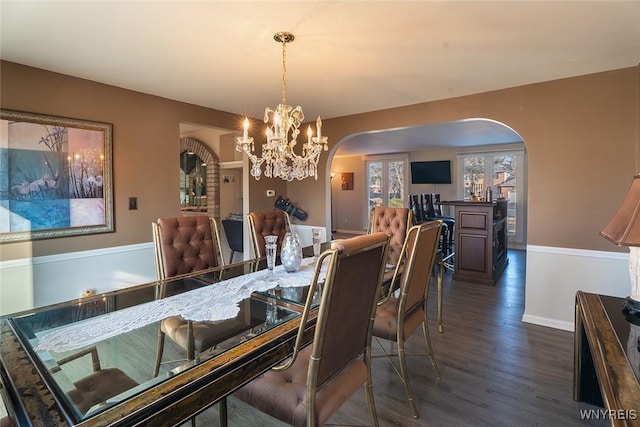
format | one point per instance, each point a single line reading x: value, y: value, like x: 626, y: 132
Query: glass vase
x: 291, y: 252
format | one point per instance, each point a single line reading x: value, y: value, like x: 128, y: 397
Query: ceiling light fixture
x: 278, y: 153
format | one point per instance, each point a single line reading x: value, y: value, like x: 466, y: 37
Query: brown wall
x: 581, y: 134
x: 145, y: 148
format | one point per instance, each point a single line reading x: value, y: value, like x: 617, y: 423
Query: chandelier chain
x: 284, y: 72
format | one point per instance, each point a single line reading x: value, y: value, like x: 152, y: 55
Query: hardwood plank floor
x: 496, y: 370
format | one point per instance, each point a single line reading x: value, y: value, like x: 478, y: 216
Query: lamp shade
x: 624, y: 228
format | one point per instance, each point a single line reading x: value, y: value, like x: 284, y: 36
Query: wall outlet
x: 346, y: 221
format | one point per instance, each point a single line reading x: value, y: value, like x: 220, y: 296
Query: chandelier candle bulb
x: 319, y: 126
x: 245, y: 126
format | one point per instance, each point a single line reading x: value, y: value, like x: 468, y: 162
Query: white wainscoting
x: 554, y: 275
x: 40, y: 281
x: 305, y: 233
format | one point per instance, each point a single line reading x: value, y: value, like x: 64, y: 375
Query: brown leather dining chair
x: 185, y: 244
x: 311, y: 385
x: 398, y: 317
x: 265, y: 223
x: 182, y: 245
x: 395, y: 222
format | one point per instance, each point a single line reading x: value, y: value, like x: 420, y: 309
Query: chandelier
x: 283, y: 124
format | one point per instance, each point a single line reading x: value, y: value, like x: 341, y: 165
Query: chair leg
x: 440, y: 279
x: 231, y: 256
x: 222, y: 412
x: 159, y: 352
x: 368, y: 390
x: 427, y: 340
x: 190, y: 341
x: 404, y: 373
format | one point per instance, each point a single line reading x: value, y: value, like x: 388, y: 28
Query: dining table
x: 121, y: 328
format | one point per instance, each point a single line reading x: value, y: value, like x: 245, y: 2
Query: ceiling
x: 348, y: 56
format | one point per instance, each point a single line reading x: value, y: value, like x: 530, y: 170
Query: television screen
x: 432, y: 172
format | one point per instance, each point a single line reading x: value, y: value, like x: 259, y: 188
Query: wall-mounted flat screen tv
x: 431, y: 172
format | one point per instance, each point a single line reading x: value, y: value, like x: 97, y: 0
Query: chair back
x: 416, y: 208
x: 233, y: 230
x: 420, y: 248
x: 428, y: 209
x: 395, y: 222
x: 437, y: 208
x: 185, y: 244
x: 317, y: 379
x: 350, y: 291
x: 275, y: 222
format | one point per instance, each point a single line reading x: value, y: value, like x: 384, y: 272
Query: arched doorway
x: 211, y: 175
x: 438, y: 141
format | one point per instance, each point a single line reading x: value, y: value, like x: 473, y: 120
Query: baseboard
x: 551, y: 323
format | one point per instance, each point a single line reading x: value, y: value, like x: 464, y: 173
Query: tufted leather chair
x: 265, y: 223
x: 319, y: 378
x: 185, y: 244
x: 395, y: 222
x: 398, y: 317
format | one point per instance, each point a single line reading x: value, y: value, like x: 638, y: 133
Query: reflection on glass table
x: 57, y: 350
x: 129, y: 353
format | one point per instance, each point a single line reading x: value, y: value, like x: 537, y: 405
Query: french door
x: 387, y: 181
x: 504, y: 172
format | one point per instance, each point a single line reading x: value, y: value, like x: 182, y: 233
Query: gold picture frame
x: 55, y: 177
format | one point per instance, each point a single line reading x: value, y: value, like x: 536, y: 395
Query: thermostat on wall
x: 271, y: 193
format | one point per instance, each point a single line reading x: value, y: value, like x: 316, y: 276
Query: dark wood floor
x: 496, y: 370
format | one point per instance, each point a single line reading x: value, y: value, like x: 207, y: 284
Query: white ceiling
x: 348, y: 57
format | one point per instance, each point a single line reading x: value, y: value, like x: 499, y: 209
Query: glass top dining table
x: 39, y: 372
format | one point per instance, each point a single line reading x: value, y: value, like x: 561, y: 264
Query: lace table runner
x: 218, y: 301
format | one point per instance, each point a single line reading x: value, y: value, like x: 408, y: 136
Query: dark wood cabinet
x: 480, y: 240
x: 606, y: 370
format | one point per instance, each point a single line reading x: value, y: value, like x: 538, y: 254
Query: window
x: 387, y: 178
x: 504, y: 172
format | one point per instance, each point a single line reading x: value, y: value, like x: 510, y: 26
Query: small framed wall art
x: 347, y: 180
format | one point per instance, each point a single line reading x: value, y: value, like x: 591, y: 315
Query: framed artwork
x: 347, y: 180
x: 55, y: 177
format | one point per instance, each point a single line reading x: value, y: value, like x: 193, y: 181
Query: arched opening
x: 439, y: 141
x: 208, y: 166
